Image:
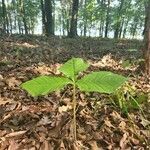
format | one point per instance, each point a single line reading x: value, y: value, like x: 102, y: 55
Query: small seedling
x: 103, y: 82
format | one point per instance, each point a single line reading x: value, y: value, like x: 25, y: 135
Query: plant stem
x: 74, y: 112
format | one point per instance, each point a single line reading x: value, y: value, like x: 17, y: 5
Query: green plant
x: 127, y: 99
x: 103, y: 81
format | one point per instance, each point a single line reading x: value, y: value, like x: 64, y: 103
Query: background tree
x: 107, y: 18
x: 48, y: 18
x: 74, y: 16
x: 147, y: 38
x: 43, y: 17
x: 103, y: 18
x: 4, y: 15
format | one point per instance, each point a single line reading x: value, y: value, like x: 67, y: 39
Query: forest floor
x: 44, y: 123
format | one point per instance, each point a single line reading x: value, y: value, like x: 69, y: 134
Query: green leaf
x: 104, y: 82
x: 72, y: 67
x: 44, y: 84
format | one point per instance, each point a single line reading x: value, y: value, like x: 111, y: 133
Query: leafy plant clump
x: 127, y: 99
x: 103, y: 82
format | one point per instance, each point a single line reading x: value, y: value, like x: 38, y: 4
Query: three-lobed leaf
x: 103, y: 82
x: 72, y: 67
x: 44, y: 84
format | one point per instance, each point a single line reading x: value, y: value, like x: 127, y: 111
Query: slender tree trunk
x: 7, y: 24
x: 134, y: 30
x: 117, y: 31
x: 63, y: 23
x: 25, y: 25
x: 22, y: 11
x: 73, y: 24
x: 125, y: 28
x: 49, y: 18
x: 85, y: 19
x: 18, y: 18
x: 102, y: 20
x: 53, y: 12
x: 10, y: 23
x: 147, y: 39
x: 85, y: 28
x: 118, y: 23
x: 100, y: 29
x: 19, y: 26
x: 121, y: 28
x: 107, y: 19
x: 68, y: 26
x: 43, y: 17
x: 4, y: 15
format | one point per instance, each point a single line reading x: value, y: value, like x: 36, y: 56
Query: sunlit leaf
x: 73, y: 67
x: 104, y: 82
x: 44, y: 84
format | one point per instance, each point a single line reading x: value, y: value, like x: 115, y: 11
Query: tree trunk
x: 118, y: 23
x: 25, y: 25
x: 53, y: 12
x: 117, y: 31
x: 48, y: 18
x: 85, y: 18
x: 102, y: 18
x: 43, y: 17
x: 85, y: 28
x: 121, y: 28
x: 73, y: 25
x: 107, y: 19
x: 125, y: 28
x: 134, y: 30
x: 22, y: 11
x: 10, y: 23
x: 147, y: 39
x: 63, y: 23
x: 4, y: 15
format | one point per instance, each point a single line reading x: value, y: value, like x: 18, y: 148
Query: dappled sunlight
x: 6, y: 100
x: 108, y: 61
x: 26, y: 45
x: 44, y: 69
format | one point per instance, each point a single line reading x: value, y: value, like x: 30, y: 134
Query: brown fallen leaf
x: 64, y: 108
x: 46, y: 145
x: 1, y: 77
x: 115, y: 115
x: 93, y: 145
x: 77, y: 145
x: 146, y: 133
x: 12, y: 81
x: 123, y: 141
x: 122, y: 125
x: 32, y: 148
x: 62, y: 146
x: 17, y: 133
x: 44, y: 121
x: 144, y: 122
x: 134, y: 141
x: 13, y: 145
x: 108, y: 123
x: 6, y: 117
x: 4, y: 101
